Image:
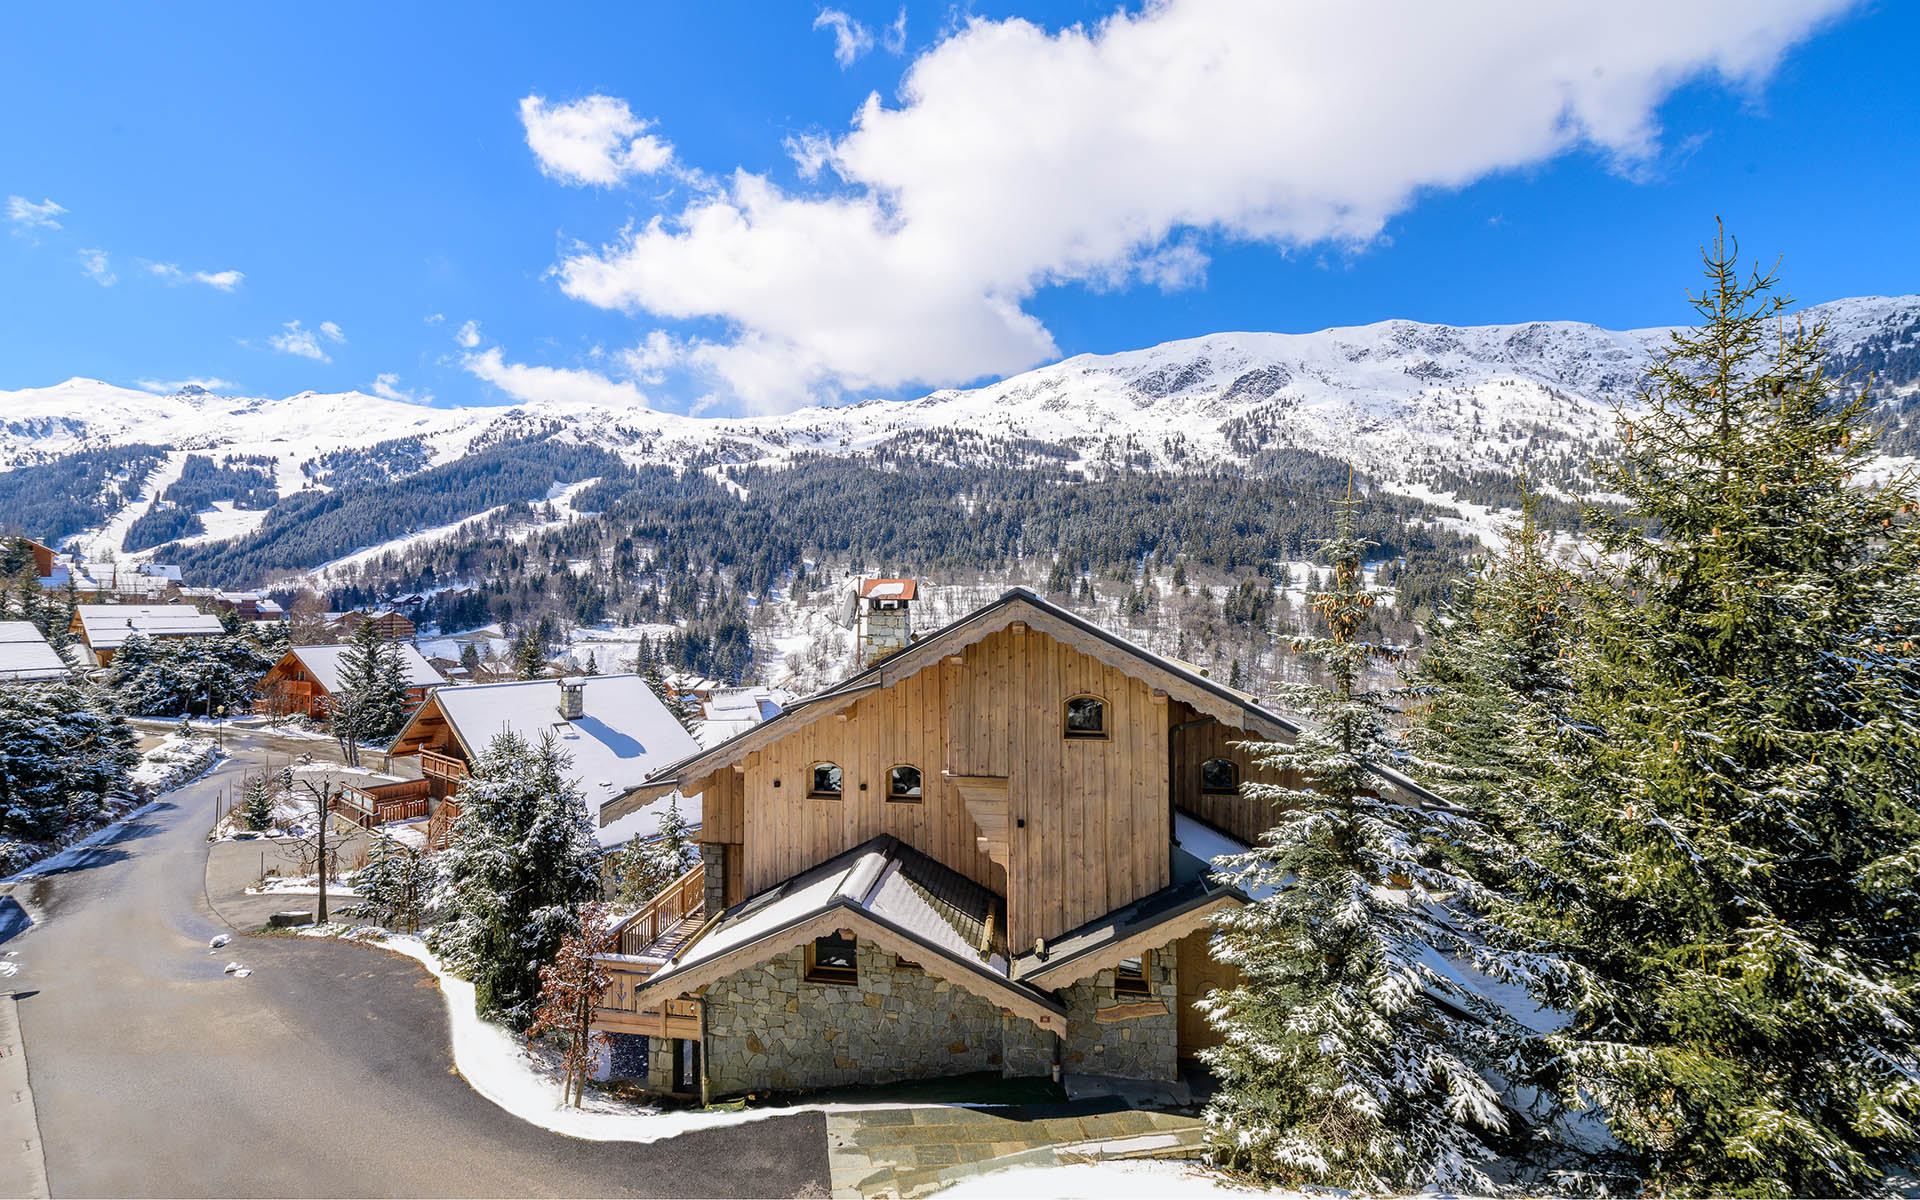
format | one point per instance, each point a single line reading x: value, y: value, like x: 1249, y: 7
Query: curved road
x: 328, y: 1072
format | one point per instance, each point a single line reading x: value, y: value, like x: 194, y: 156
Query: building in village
x: 394, y: 626
x: 103, y: 628
x: 26, y: 657
x: 731, y: 711
x: 612, y: 727
x: 988, y: 851
x: 306, y: 676
x: 255, y: 608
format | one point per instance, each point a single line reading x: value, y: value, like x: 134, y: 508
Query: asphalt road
x: 326, y: 1073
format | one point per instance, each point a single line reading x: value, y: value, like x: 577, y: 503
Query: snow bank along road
x: 325, y: 1072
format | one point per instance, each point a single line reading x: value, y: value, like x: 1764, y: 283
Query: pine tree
x: 64, y: 754
x: 1736, y: 806
x: 1340, y: 1063
x: 530, y: 656
x: 396, y: 886
x: 519, y: 859
x: 470, y: 660
x: 371, y: 702
x: 642, y: 869
x: 257, y: 793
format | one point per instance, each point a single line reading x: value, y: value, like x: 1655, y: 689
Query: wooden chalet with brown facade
x: 307, y: 676
x: 988, y: 851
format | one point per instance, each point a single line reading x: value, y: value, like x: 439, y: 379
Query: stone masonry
x: 770, y: 1028
x: 714, y: 859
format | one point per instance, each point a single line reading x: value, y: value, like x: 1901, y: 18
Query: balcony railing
x: 442, y: 766
x: 645, y: 942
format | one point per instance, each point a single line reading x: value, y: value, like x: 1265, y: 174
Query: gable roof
x: 324, y: 663
x: 108, y: 626
x: 887, y: 891
x: 26, y: 657
x: 624, y: 731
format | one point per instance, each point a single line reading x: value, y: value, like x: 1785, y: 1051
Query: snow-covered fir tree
x: 643, y: 868
x: 1349, y: 1057
x: 373, y: 674
x: 1730, y: 826
x: 396, y: 886
x: 64, y: 754
x: 258, y: 791
x: 520, y: 859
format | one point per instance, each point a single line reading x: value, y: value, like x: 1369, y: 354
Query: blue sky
x: 284, y: 198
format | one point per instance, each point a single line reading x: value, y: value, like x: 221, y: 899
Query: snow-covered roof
x: 887, y: 589
x: 644, y: 823
x: 624, y: 731
x: 108, y: 626
x: 324, y: 664
x: 25, y: 656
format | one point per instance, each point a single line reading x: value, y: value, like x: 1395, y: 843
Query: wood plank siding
x: 1196, y: 739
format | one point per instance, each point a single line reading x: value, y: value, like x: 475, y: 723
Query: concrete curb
x: 23, y: 1166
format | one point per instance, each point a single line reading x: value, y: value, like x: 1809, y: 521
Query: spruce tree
x: 257, y: 793
x: 520, y: 858
x: 1729, y: 824
x: 395, y: 886
x: 1349, y: 1057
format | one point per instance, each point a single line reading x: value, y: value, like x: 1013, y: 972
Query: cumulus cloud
x: 301, y: 341
x: 168, y: 387
x: 96, y: 265
x: 554, y: 385
x: 596, y: 140
x: 1016, y: 158
x: 28, y: 216
x: 468, y: 335
x: 225, y: 281
x: 851, y: 39
x: 387, y: 386
x: 331, y: 332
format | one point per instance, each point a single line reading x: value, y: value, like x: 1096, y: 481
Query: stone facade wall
x: 768, y: 1027
x: 714, y: 859
x: 1144, y: 1046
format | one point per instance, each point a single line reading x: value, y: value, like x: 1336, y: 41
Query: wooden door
x: 1199, y: 974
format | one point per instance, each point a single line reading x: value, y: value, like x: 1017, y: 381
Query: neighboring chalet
x: 255, y: 608
x: 987, y: 852
x: 306, y: 676
x: 25, y: 656
x: 43, y: 558
x: 613, y: 727
x: 729, y: 712
x: 395, y: 627
x: 104, y: 628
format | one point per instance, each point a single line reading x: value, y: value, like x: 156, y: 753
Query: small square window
x: 826, y: 781
x: 903, y: 784
x: 833, y: 959
x: 1086, y: 717
x: 1130, y: 976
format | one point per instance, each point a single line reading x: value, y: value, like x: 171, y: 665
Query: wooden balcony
x: 442, y: 766
x: 649, y: 940
x: 383, y: 803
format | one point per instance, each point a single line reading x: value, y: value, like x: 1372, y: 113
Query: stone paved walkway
x: 911, y: 1152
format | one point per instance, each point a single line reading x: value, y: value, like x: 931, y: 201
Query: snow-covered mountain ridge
x: 1400, y: 399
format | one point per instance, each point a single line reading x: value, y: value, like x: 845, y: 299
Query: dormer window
x: 1086, y: 717
x: 826, y: 781
x: 903, y: 784
x: 1220, y: 776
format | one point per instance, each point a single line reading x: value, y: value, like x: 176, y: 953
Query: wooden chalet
x: 26, y: 657
x: 988, y: 851
x: 306, y: 676
x: 104, y: 628
x: 394, y: 626
x: 612, y: 727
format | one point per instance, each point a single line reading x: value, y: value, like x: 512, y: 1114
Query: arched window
x: 1220, y: 775
x: 1086, y: 717
x: 903, y: 784
x: 825, y: 781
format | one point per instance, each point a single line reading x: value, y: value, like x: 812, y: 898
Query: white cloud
x: 596, y: 140
x: 226, y: 281
x: 851, y: 39
x: 1017, y: 159
x: 26, y: 215
x: 894, y: 40
x: 387, y: 386
x: 95, y: 265
x: 558, y: 385
x: 301, y: 341
x: 435, y: 318
x: 331, y: 332
x: 468, y: 335
x: 168, y: 387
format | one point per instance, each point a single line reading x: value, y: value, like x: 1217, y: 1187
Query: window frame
x: 918, y: 796
x: 1071, y: 734
x: 813, y: 778
x: 1231, y: 790
x: 831, y: 975
x: 1134, y: 985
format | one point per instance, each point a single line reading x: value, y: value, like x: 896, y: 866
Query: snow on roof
x: 624, y: 732
x: 25, y: 656
x: 887, y: 589
x: 108, y: 626
x: 644, y: 822
x: 324, y: 664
